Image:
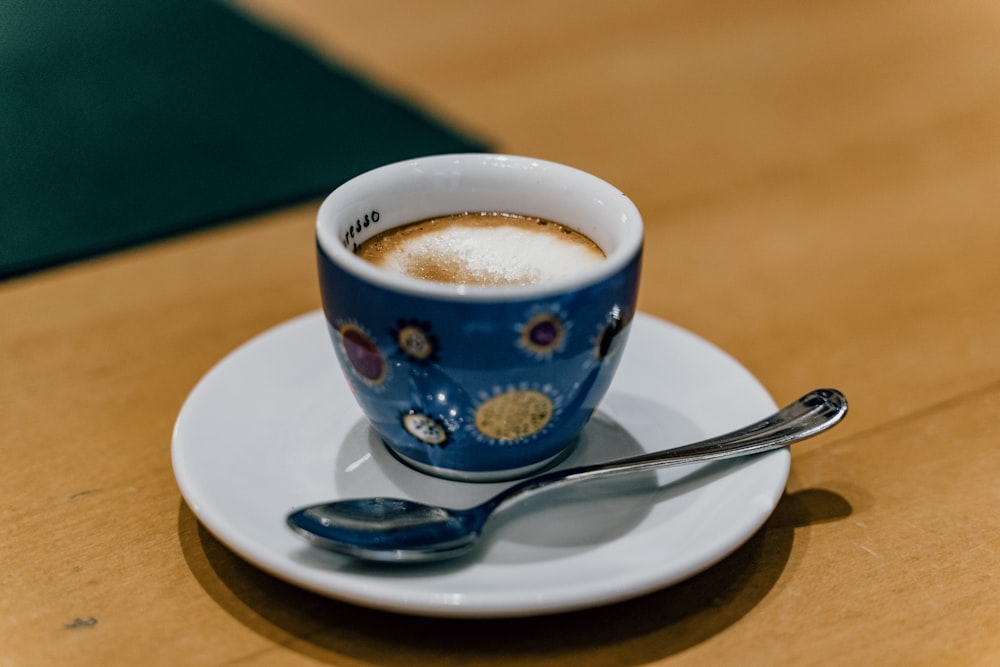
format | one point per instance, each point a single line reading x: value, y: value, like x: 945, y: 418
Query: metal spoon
x: 393, y: 529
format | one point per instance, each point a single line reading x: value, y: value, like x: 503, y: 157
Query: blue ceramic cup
x: 469, y: 382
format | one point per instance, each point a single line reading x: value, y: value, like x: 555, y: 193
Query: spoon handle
x: 808, y: 416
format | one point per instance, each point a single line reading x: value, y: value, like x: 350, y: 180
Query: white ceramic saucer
x: 273, y: 427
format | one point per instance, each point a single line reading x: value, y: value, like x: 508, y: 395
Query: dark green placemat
x: 123, y: 121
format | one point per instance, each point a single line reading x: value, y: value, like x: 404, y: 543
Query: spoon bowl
x: 399, y: 530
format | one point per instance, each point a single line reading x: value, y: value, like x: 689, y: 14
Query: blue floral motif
x: 544, y: 331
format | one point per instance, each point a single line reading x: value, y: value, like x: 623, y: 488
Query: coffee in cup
x: 484, y: 248
x: 478, y: 382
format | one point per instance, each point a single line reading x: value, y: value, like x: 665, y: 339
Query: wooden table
x: 821, y: 187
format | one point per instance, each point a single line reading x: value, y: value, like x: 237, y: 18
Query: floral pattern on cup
x: 513, y: 415
x: 416, y: 341
x: 544, y: 331
x: 365, y: 358
x: 424, y: 428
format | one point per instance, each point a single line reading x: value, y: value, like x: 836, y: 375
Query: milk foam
x: 474, y: 251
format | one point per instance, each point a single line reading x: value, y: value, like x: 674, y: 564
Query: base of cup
x: 481, y: 476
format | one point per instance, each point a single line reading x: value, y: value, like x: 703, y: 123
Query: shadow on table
x: 633, y: 632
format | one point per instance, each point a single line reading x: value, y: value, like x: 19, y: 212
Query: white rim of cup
x: 599, y: 193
